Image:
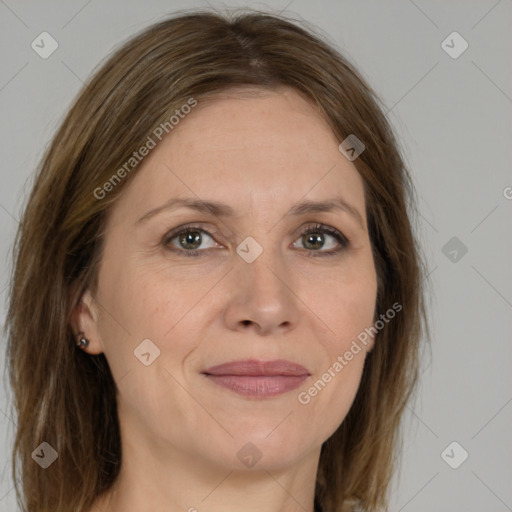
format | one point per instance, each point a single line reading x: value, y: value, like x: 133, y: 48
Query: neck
x: 197, y: 486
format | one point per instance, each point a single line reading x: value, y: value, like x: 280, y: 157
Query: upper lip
x: 256, y: 368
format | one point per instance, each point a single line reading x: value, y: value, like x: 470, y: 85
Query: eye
x: 313, y: 239
x: 188, y: 240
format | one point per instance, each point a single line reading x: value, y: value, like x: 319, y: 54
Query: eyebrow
x: 219, y: 209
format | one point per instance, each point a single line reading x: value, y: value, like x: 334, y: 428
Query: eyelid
x: 187, y: 227
x: 310, y: 227
x: 324, y: 228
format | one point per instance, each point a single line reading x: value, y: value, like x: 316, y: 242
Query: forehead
x: 257, y: 147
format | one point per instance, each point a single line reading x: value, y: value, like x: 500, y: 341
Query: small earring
x: 82, y: 342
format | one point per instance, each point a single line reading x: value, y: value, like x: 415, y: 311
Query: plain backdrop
x: 451, y: 107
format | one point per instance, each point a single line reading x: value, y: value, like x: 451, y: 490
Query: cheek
x: 144, y: 302
x: 137, y: 304
x: 346, y: 306
x: 350, y: 311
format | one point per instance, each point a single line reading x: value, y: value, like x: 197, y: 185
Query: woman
x: 216, y: 301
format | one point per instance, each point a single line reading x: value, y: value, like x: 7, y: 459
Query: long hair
x: 66, y: 397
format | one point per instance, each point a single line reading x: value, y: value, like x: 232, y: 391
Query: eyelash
x: 317, y: 228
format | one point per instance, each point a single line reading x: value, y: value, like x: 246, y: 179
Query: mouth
x: 259, y: 379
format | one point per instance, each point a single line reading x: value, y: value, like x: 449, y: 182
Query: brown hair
x: 66, y: 397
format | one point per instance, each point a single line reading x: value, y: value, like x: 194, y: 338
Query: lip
x: 259, y: 379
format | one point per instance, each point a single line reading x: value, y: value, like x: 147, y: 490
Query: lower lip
x: 259, y: 386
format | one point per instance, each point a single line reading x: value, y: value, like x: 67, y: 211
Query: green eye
x: 188, y: 241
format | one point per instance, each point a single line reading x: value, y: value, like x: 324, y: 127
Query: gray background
x: 453, y: 117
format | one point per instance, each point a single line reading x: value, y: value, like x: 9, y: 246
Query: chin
x: 261, y: 451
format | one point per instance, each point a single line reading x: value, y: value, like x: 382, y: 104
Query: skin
x: 260, y: 154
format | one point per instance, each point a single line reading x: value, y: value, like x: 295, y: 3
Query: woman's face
x: 240, y: 283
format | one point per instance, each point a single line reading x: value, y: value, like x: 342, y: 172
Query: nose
x: 263, y: 298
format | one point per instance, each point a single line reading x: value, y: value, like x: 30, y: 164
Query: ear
x: 84, y: 323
